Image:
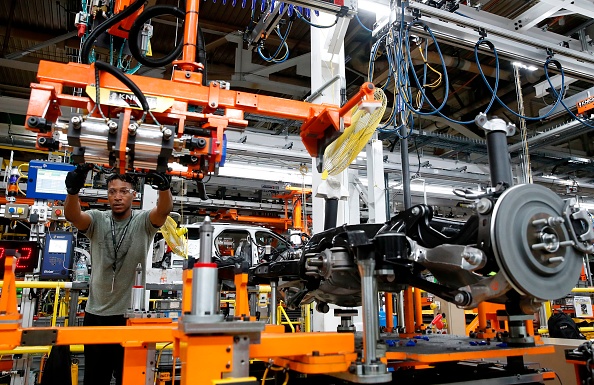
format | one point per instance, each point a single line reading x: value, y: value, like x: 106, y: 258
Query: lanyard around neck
x: 117, y: 246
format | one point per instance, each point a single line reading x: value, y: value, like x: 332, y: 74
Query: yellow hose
x: 41, y: 285
x: 341, y: 153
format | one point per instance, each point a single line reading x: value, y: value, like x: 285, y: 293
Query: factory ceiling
x: 559, y: 147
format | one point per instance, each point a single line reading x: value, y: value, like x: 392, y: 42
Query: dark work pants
x: 101, y: 361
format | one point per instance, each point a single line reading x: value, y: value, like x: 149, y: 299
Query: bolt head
x: 483, y: 206
x: 167, y: 133
x: 132, y: 128
x: 459, y: 298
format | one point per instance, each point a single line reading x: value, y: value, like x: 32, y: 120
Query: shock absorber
x: 137, y: 297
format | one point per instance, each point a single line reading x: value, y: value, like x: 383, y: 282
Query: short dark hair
x: 123, y: 177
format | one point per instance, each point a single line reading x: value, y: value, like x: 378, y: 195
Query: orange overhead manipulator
x: 138, y: 122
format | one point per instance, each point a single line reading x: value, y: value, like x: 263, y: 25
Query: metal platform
x: 443, y: 348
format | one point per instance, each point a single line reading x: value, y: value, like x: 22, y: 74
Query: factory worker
x: 120, y: 240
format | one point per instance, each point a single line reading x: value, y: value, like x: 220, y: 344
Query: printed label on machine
x: 583, y: 307
x: 128, y: 99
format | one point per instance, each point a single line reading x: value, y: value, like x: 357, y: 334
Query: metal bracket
x: 41, y: 337
x: 344, y: 11
x: 550, y: 53
x: 482, y: 32
x: 570, y: 217
x: 213, y: 95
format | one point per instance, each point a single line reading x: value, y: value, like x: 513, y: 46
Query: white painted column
x: 324, y: 66
x: 376, y: 192
x: 354, y: 203
x: 148, y: 201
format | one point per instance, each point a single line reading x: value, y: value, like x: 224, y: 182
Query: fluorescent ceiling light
x: 524, y: 66
x: 422, y: 187
x: 248, y: 171
x: 380, y: 9
x: 577, y: 159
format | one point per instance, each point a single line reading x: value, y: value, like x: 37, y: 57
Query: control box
x: 41, y: 211
x: 57, y: 213
x: 46, y: 180
x: 56, y: 262
x: 16, y: 211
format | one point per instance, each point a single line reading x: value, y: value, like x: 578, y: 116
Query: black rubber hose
x: 202, y: 55
x: 90, y: 41
x: 134, y: 35
x: 103, y: 66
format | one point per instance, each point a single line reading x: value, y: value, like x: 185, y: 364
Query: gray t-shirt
x: 133, y: 250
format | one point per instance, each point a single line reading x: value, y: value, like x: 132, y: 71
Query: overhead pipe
x: 11, y: 140
x: 460, y: 64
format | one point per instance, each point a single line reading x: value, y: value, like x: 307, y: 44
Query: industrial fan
x: 175, y: 237
x: 364, y: 120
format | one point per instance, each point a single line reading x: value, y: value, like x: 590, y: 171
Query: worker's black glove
x: 75, y: 180
x: 158, y: 180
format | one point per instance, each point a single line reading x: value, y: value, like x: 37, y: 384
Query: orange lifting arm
x: 179, y: 98
x: 320, y: 121
x: 190, y: 37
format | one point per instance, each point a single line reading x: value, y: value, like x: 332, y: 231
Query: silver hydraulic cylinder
x: 138, y: 292
x: 205, y: 288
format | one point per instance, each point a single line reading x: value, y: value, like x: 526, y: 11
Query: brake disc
x: 531, y: 244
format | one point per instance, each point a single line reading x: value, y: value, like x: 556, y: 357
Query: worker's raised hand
x: 75, y: 180
x: 158, y: 180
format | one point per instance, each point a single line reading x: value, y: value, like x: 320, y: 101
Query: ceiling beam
x: 19, y: 65
x: 12, y: 105
x: 8, y: 27
x: 25, y: 33
x: 534, y: 15
x: 37, y: 47
x: 581, y: 7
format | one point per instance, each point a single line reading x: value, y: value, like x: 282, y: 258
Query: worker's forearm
x: 165, y: 202
x: 72, y: 210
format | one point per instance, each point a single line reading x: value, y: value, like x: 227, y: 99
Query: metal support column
x: 272, y: 308
x: 372, y: 370
x: 407, y: 200
x: 325, y: 66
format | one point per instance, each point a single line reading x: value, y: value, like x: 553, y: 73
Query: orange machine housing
x: 121, y: 29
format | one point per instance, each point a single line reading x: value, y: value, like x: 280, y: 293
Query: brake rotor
x: 531, y: 243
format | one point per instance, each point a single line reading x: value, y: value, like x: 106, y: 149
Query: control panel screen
x: 51, y: 181
x: 57, y: 246
x: 46, y: 180
x: 27, y: 256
